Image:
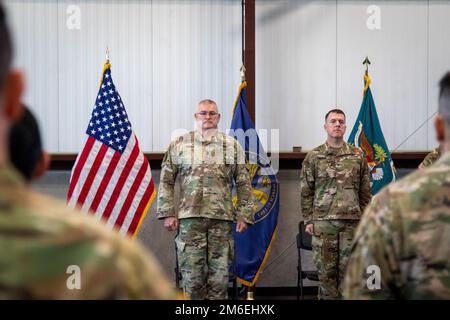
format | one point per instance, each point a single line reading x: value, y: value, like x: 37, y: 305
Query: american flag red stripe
x: 111, y: 177
x: 142, y: 205
x: 90, y: 178
x: 105, y: 181
x: 123, y: 178
x: 131, y: 194
x: 79, y: 165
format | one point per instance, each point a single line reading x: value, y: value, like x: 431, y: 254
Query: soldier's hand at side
x: 309, y: 228
x: 171, y: 223
x: 241, y: 226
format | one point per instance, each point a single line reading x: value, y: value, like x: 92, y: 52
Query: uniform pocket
x: 180, y: 244
x: 317, y: 244
x: 323, y: 201
x: 351, y: 199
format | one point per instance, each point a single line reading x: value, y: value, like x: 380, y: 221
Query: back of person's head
x: 11, y: 80
x: 444, y: 97
x: 6, y: 50
x: 442, y: 121
x: 25, y: 146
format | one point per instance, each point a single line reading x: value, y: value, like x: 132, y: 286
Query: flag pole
x: 107, y: 54
x: 366, y: 62
x: 242, y: 72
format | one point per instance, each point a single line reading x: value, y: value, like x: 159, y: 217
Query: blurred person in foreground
x: 402, y: 245
x: 50, y: 251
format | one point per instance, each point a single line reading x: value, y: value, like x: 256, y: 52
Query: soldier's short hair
x: 207, y: 101
x: 444, y: 98
x: 338, y: 111
x: 6, y: 49
x: 444, y: 84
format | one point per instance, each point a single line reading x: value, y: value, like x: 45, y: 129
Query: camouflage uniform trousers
x: 205, y: 250
x: 331, y: 245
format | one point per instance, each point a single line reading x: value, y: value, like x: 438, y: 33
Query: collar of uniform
x: 10, y: 177
x: 345, y: 149
x: 212, y: 137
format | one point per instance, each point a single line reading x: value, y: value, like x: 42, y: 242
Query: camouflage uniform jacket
x: 206, y: 169
x: 334, y: 183
x: 40, y: 238
x: 431, y: 158
x: 405, y: 231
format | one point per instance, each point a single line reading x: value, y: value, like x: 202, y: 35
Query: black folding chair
x: 303, y: 243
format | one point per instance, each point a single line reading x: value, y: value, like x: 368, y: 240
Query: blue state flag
x: 252, y: 247
x: 367, y: 135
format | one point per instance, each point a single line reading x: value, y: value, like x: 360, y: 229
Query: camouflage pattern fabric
x: 206, y: 168
x: 406, y: 233
x: 431, y: 158
x: 331, y: 248
x: 41, y: 238
x: 200, y: 242
x: 335, y: 189
x: 334, y: 183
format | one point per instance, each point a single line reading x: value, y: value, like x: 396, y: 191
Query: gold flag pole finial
x: 366, y: 62
x: 107, y: 54
x: 242, y: 73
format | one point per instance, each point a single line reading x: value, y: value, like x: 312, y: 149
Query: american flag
x: 111, y: 177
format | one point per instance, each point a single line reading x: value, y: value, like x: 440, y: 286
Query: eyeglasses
x: 205, y: 113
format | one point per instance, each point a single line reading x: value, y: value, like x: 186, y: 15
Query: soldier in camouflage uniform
x: 335, y: 189
x: 405, y: 232
x: 49, y: 251
x: 206, y: 162
x: 431, y: 158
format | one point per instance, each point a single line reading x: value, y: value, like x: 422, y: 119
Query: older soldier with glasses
x: 207, y: 162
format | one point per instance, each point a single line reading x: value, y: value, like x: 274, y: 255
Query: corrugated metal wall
x: 309, y: 59
x: 168, y: 55
x: 165, y: 55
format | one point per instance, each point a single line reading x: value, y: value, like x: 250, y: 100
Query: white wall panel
x: 165, y: 55
x: 34, y: 25
x: 295, y: 69
x: 439, y: 58
x: 197, y: 55
x: 168, y: 55
x: 126, y: 28
x: 398, y: 52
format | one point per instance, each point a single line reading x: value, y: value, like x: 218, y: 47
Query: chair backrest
x: 304, y: 239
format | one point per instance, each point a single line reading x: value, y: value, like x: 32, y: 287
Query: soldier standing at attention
x: 405, y: 232
x: 335, y: 189
x: 207, y: 162
x: 49, y: 251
